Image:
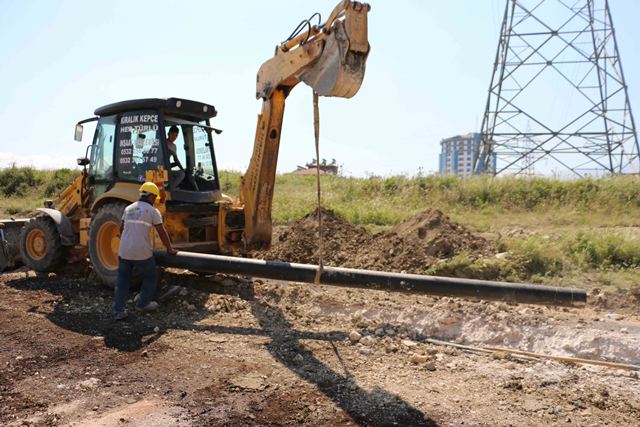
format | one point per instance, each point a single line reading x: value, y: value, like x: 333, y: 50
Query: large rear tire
x: 104, y: 241
x: 40, y: 245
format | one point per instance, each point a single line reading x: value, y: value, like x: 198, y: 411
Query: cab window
x: 101, y: 166
x: 138, y: 145
x: 180, y: 148
x: 203, y: 159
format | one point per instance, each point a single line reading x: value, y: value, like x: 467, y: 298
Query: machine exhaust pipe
x: 395, y: 282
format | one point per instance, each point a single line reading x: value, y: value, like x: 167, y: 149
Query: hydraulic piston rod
x: 347, y: 277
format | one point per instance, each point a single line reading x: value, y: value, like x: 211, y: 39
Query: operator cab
x: 131, y: 138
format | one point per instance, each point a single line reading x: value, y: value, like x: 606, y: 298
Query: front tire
x: 104, y: 241
x: 40, y: 245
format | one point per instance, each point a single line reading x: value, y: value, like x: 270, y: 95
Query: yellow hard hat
x: 149, y: 188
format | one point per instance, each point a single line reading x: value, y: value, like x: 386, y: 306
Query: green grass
x: 385, y: 201
x: 604, y: 250
x: 565, y: 232
x: 582, y: 259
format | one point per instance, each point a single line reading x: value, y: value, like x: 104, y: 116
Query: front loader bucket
x: 10, y: 242
x: 339, y: 70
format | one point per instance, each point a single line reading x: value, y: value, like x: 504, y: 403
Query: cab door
x: 101, y: 174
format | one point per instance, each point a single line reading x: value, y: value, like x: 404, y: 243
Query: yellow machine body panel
x: 84, y: 231
x: 124, y: 191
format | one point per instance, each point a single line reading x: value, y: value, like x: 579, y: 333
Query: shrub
x: 600, y: 250
x: 535, y: 256
x: 18, y: 181
x: 59, y: 180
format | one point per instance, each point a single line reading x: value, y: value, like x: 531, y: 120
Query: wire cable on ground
x: 532, y: 355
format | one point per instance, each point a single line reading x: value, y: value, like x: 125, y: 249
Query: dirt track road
x: 229, y: 351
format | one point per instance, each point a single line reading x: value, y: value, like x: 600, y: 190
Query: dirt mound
x: 299, y: 241
x: 418, y: 242
x: 438, y: 235
x: 412, y: 246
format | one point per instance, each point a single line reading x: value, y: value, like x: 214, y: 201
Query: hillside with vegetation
x: 582, y: 232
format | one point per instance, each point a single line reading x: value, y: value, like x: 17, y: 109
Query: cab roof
x: 174, y: 106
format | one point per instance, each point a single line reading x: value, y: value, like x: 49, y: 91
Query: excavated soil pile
x: 417, y: 243
x: 411, y: 246
x: 299, y: 241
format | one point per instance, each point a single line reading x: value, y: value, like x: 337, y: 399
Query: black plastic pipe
x: 347, y: 277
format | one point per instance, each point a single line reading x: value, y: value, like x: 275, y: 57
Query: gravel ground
x: 234, y: 351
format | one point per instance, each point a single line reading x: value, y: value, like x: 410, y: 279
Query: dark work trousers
x: 147, y: 269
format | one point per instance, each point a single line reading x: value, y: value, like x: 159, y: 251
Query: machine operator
x: 175, y: 176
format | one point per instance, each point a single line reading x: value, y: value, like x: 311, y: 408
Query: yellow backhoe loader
x: 130, y: 146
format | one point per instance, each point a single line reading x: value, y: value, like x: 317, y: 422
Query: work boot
x: 120, y: 316
x: 152, y: 306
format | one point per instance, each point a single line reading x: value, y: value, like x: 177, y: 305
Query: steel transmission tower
x: 558, y: 83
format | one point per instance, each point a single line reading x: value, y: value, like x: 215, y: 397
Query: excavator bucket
x: 330, y: 58
x: 339, y: 70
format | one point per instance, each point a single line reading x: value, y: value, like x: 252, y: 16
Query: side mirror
x: 78, y: 134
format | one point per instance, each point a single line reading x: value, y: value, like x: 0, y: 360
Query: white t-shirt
x: 173, y: 152
x: 135, y: 242
x: 172, y: 149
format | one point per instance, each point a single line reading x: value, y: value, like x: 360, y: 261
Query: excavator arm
x: 330, y: 58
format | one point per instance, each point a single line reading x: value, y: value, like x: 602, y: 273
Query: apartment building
x: 457, y: 154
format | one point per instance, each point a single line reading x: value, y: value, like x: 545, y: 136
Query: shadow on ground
x: 84, y: 308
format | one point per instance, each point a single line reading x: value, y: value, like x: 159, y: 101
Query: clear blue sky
x: 427, y: 74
